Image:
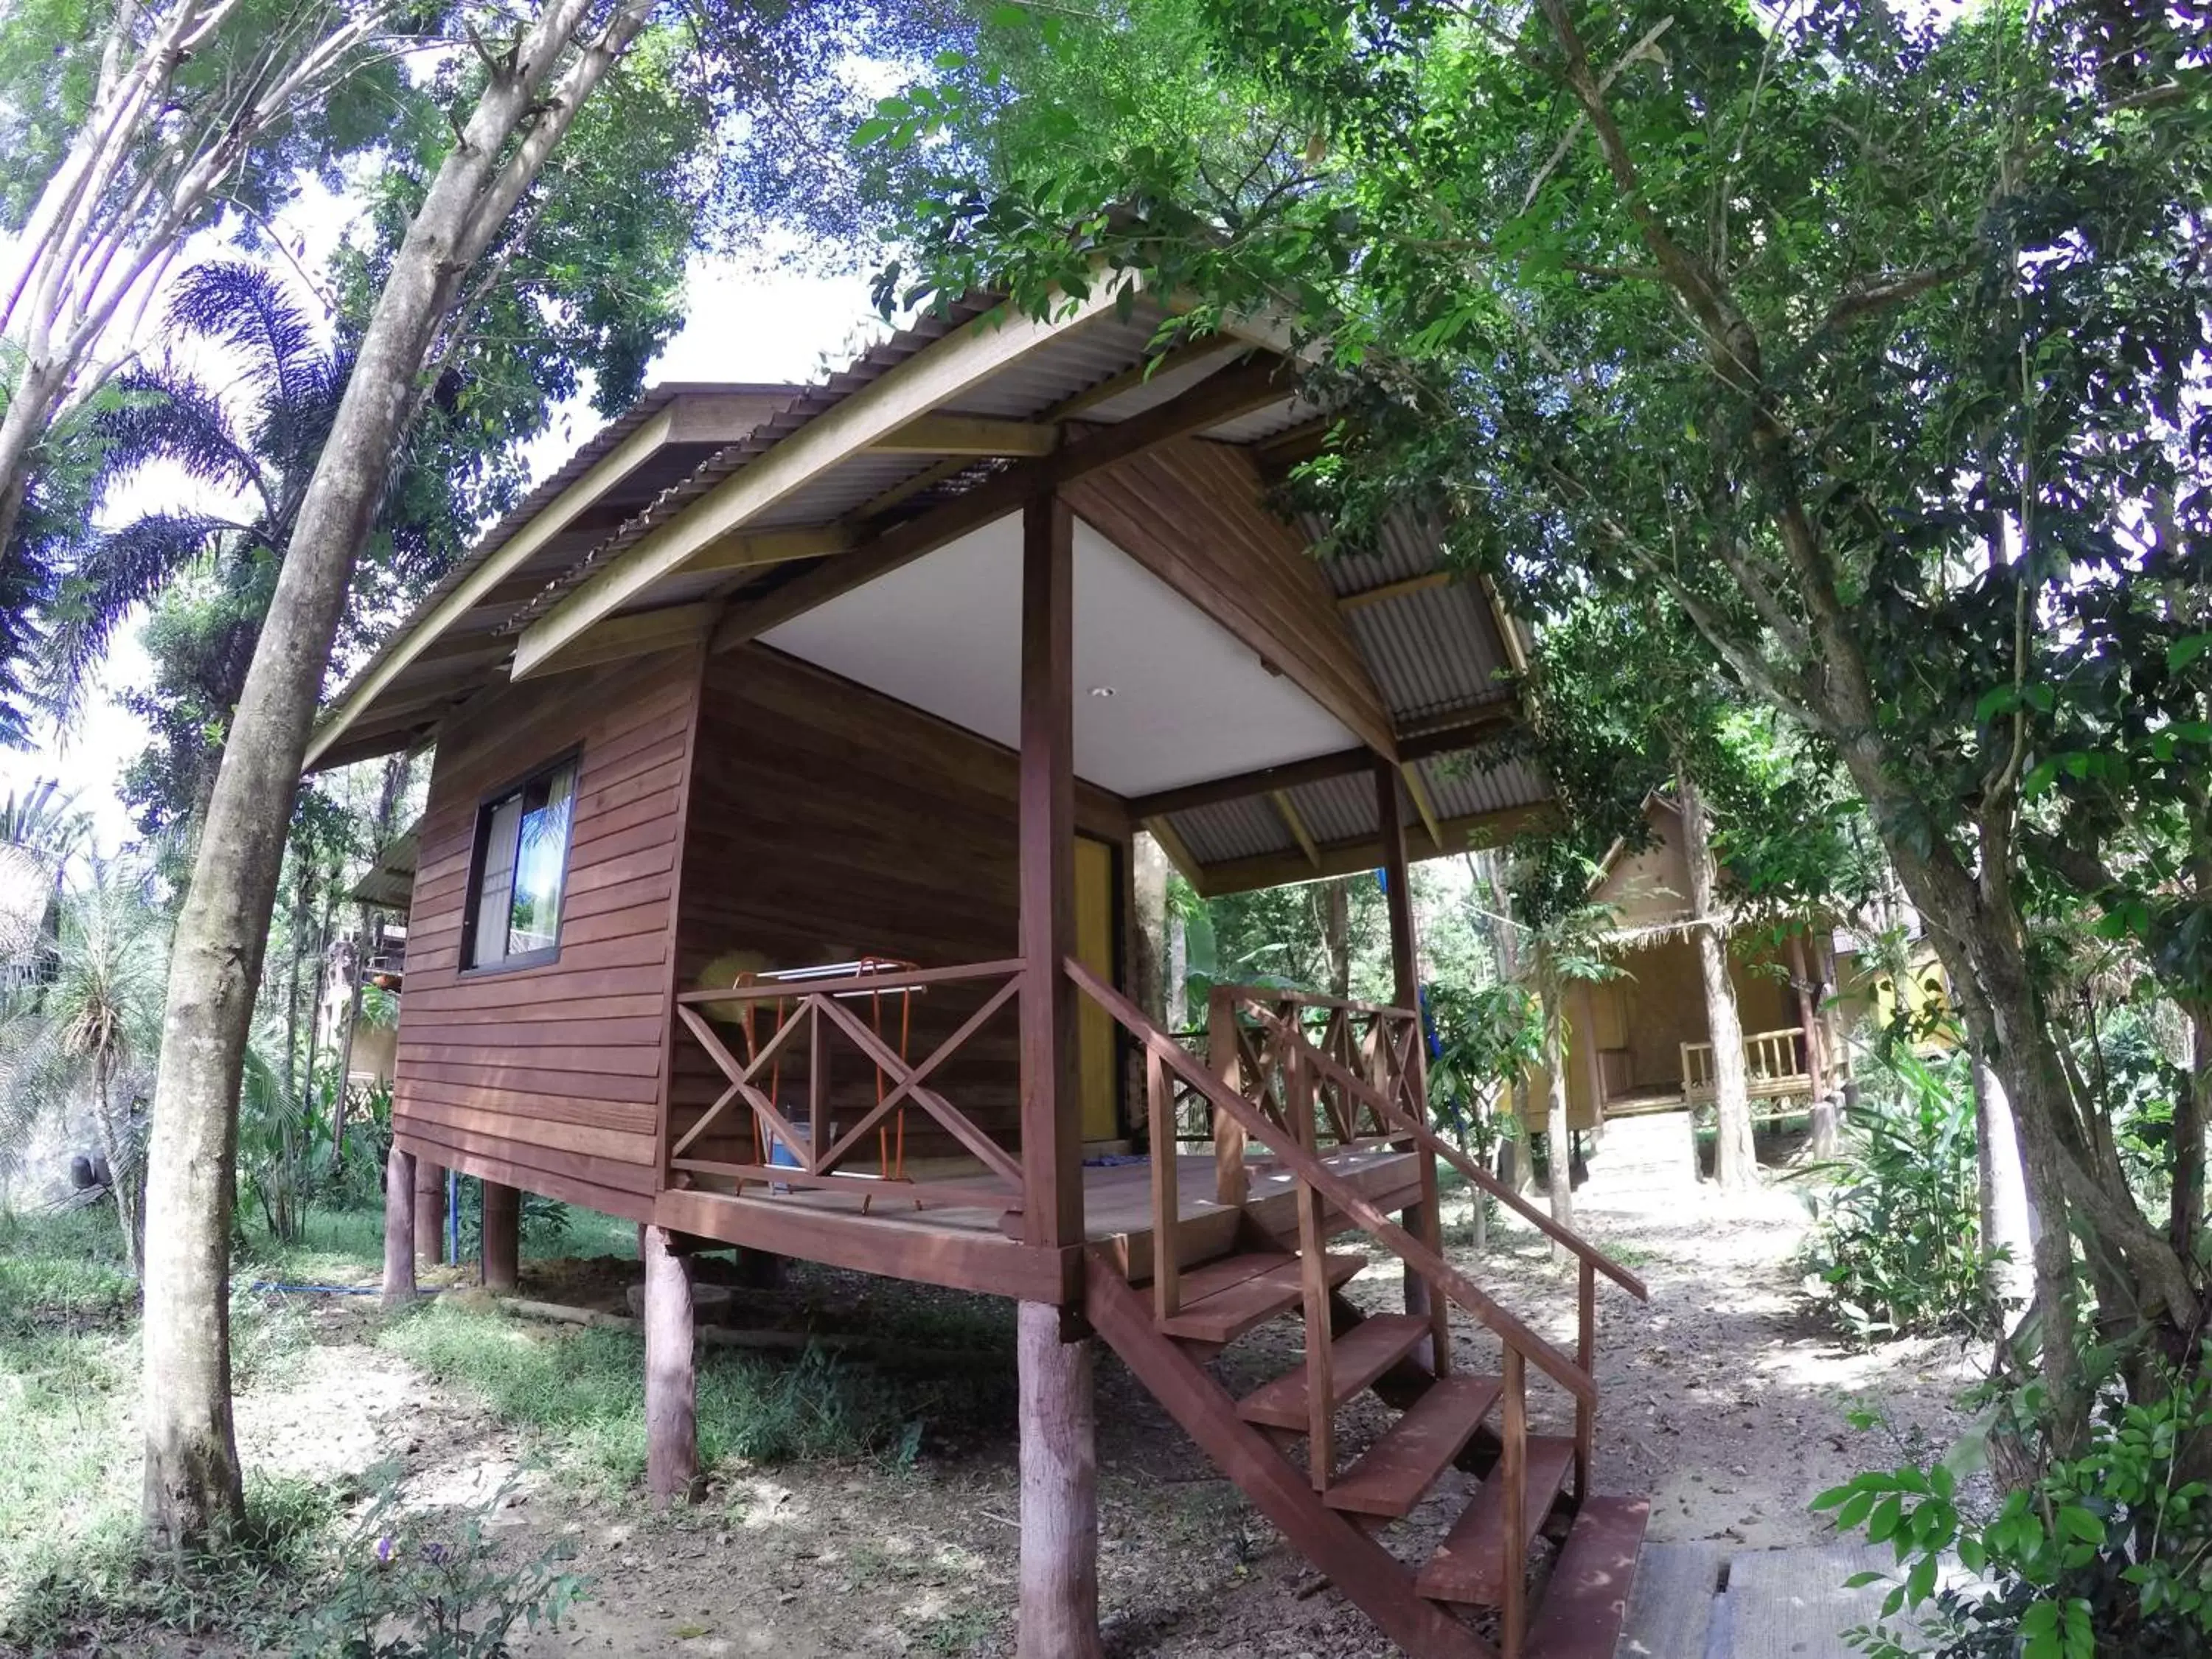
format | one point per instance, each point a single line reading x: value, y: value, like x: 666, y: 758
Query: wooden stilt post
x: 398, y: 1227
x: 429, y: 1212
x: 672, y: 1426
x: 1059, y: 1617
x: 1425, y: 1223
x: 1052, y: 1130
x: 500, y: 1226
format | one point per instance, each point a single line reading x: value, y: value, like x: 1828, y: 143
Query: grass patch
x: 103, y: 1591
x: 336, y: 1247
x: 62, y: 1270
x: 589, y: 1232
x: 582, y: 1393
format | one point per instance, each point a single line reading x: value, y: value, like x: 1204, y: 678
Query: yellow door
x: 1095, y: 908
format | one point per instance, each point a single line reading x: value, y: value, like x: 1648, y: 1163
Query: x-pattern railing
x: 1251, y: 1030
x: 822, y: 1013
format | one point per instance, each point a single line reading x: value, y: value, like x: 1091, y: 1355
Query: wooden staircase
x: 1285, y: 1091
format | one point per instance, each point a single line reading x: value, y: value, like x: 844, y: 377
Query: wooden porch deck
x: 969, y: 1247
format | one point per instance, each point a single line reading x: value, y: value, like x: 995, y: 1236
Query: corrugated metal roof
x: 1405, y: 545
x: 1232, y: 829
x: 549, y: 489
x: 1336, y: 809
x: 805, y: 406
x: 1462, y: 789
x: 1268, y: 422
x: 1097, y: 352
x: 1432, y: 651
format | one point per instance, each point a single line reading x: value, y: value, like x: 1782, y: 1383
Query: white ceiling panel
x: 1188, y: 702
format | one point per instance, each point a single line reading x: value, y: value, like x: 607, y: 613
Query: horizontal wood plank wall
x: 829, y: 822
x: 549, y: 1077
x: 1192, y: 513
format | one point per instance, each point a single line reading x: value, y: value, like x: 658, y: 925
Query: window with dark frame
x: 520, y: 867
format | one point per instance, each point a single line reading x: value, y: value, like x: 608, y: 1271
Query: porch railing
x: 1773, y: 1063
x: 1299, y: 1092
x: 812, y: 1021
x: 1374, y: 1052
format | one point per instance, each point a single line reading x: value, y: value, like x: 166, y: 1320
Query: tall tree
x: 496, y: 161
x: 534, y: 81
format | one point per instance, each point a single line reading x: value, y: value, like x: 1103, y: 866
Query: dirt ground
x: 1724, y: 1399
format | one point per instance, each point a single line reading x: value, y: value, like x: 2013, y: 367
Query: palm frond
x: 247, y: 307
x: 164, y: 415
x: 122, y: 568
x: 41, y: 817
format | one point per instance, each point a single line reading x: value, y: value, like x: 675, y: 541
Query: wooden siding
x: 1190, y: 513
x: 829, y: 822
x: 548, y: 1077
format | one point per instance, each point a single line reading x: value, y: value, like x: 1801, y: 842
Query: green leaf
x: 2184, y: 651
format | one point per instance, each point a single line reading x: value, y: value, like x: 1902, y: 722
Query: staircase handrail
x: 1391, y: 1114
x: 1309, y: 1168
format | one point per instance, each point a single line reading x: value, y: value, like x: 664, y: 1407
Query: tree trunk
x: 1058, y: 1613
x: 358, y: 977
x: 2192, y: 1108
x: 1558, y: 1136
x: 1149, y: 879
x: 2008, y: 1222
x: 1985, y: 960
x: 1735, y: 1160
x: 1826, y: 1131
x: 1336, y: 935
x: 1178, y: 986
x: 123, y: 1163
x: 192, y: 1480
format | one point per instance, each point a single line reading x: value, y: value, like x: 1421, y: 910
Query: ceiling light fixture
x: 1101, y: 690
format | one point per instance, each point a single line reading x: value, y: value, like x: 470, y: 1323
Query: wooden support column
x: 429, y: 1212
x: 1052, y: 1128
x: 672, y: 1426
x: 398, y: 1228
x: 1058, y: 1613
x: 1425, y: 1223
x: 499, y: 1224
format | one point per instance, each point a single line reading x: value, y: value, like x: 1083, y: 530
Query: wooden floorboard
x: 1223, y: 1315
x: 1587, y: 1600
x: 1468, y: 1566
x: 1358, y: 1358
x: 1670, y: 1609
x: 1397, y: 1471
x: 1793, y: 1602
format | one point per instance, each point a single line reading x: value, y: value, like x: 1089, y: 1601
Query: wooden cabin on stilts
x: 772, y: 887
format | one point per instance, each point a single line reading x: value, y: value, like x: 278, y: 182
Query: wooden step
x: 1357, y: 1358
x: 1221, y: 1315
x: 1587, y: 1600
x: 1396, y: 1471
x: 1468, y: 1565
